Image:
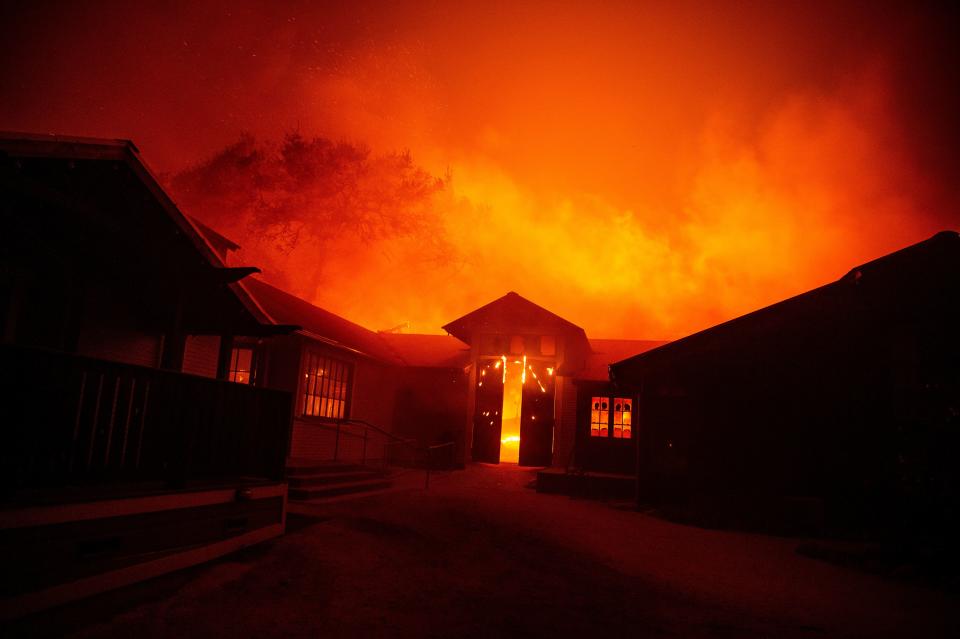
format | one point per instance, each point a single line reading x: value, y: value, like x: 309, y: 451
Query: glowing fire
x: 511, y: 439
x: 752, y: 175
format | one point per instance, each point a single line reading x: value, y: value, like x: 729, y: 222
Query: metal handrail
x: 373, y: 426
x: 393, y: 440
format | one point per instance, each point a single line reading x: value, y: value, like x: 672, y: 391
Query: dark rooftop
x: 432, y: 351
x: 319, y: 324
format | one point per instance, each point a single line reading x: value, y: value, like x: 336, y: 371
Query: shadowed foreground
x: 480, y: 555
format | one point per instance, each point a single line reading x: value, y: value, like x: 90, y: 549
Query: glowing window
x: 548, y: 345
x: 241, y: 365
x: 599, y: 416
x: 622, y: 417
x: 326, y: 382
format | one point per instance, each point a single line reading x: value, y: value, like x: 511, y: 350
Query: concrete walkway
x: 482, y: 555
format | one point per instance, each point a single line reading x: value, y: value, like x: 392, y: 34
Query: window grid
x: 622, y: 417
x: 326, y: 382
x: 241, y: 365
x: 599, y: 416
x: 617, y: 423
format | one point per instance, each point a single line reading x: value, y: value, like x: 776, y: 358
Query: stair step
x: 318, y: 479
x: 342, y: 488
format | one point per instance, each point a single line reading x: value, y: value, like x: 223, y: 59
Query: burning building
x: 503, y: 386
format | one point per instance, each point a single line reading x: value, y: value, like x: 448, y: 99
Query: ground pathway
x: 482, y: 555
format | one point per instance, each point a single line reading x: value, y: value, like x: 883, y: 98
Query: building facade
x: 124, y: 456
x: 837, y: 408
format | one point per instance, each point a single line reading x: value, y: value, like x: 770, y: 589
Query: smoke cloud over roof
x: 643, y: 169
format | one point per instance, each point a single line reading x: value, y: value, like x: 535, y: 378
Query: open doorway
x: 512, y: 403
x: 513, y: 415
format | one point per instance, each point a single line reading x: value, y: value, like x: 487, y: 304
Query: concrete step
x: 339, y: 488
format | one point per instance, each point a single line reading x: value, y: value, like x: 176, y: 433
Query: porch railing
x: 72, y: 420
x: 378, y: 446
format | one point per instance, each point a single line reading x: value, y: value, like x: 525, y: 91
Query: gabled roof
x: 221, y: 244
x: 510, y: 313
x: 319, y: 324
x: 894, y: 283
x: 89, y: 167
x: 428, y: 351
x: 34, y: 145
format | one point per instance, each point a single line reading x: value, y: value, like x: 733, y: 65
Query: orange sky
x: 645, y: 171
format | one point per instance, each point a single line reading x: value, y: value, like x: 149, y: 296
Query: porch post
x: 225, y: 356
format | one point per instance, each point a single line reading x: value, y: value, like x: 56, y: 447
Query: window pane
x: 548, y: 345
x: 622, y: 410
x: 325, y: 387
x: 244, y: 357
x: 310, y: 381
x: 332, y: 388
x: 241, y: 365
x: 599, y: 416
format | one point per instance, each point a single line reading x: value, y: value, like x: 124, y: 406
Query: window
x: 241, y: 365
x: 548, y: 345
x: 621, y: 417
x: 599, y: 416
x: 325, y: 386
x: 618, y: 422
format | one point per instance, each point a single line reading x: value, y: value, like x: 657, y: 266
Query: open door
x: 488, y: 420
x: 536, y: 425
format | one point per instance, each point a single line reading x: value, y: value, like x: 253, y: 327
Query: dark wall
x: 431, y: 405
x: 849, y: 397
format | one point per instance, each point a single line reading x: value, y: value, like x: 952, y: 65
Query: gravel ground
x: 482, y: 555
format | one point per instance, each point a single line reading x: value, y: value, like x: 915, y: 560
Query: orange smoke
x: 641, y: 187
x: 644, y: 170
x: 813, y: 190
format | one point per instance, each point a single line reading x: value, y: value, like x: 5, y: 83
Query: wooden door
x: 536, y: 425
x: 488, y: 420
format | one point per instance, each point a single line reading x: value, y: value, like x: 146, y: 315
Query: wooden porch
x: 113, y: 473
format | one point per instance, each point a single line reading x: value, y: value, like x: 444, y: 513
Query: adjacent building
x: 126, y: 451
x: 839, y: 407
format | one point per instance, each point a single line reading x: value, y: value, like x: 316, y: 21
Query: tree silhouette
x: 311, y: 190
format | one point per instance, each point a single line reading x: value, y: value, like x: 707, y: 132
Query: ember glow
x: 644, y: 171
x: 513, y: 380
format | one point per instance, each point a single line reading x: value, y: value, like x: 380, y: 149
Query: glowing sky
x: 643, y: 169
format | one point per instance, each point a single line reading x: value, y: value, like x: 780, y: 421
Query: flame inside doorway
x: 513, y: 379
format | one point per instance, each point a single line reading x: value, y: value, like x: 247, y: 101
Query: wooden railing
x: 71, y: 420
